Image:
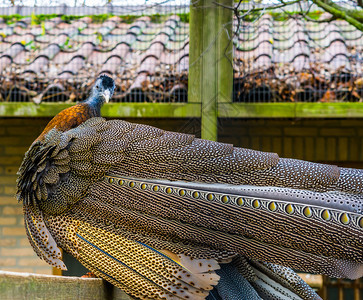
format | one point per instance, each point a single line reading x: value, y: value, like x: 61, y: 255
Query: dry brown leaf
x: 359, y: 82
x: 328, y: 96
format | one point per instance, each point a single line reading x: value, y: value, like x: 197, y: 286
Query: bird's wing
x: 140, y: 206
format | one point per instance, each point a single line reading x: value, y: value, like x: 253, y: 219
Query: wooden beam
x: 210, y: 58
x: 151, y: 110
x: 112, y: 110
x: 193, y: 110
x: 290, y: 110
x: 15, y: 285
x: 256, y: 110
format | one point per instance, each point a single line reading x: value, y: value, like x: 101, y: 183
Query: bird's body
x: 158, y: 213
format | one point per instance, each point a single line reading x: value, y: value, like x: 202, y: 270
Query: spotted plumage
x: 164, y: 215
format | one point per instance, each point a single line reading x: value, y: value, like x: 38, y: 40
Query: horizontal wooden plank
x: 152, y: 110
x: 290, y: 110
x: 256, y: 110
x: 26, y: 286
x: 193, y: 110
x: 114, y: 110
x: 329, y: 110
x: 25, y: 109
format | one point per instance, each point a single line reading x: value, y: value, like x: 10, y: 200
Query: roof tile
x: 4, y: 62
x: 151, y: 60
x: 111, y: 65
x: 38, y: 65
x: 15, y: 38
x: 72, y: 67
x: 148, y: 65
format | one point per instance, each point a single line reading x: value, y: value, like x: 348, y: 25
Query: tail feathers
x: 195, y: 272
x: 41, y: 239
x: 144, y: 271
x: 233, y: 285
x: 244, y: 267
x: 267, y: 288
x: 111, y: 279
x: 268, y: 282
x: 287, y: 278
x: 132, y: 281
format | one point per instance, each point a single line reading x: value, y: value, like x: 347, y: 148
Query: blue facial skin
x: 102, y: 92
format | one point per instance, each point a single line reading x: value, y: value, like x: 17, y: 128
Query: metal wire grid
x: 287, y: 55
x: 153, y: 68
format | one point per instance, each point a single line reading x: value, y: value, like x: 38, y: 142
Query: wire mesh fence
x: 52, y: 52
x: 293, y: 55
x: 55, y: 57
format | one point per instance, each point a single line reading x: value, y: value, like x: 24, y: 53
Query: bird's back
x: 69, y: 118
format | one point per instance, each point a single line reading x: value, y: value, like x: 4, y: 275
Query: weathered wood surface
x: 113, y: 110
x: 210, y: 60
x: 193, y: 110
x: 18, y: 286
x: 315, y: 281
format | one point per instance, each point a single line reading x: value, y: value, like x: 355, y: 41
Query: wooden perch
x: 15, y: 285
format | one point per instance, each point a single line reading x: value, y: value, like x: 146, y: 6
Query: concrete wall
x: 334, y: 141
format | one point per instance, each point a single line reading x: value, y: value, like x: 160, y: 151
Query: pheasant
x: 165, y: 215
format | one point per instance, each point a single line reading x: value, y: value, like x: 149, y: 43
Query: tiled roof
x: 299, y: 43
x: 149, y: 59
x: 298, y: 60
x: 275, y: 60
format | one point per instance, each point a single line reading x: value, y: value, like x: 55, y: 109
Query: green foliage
x: 66, y: 44
x: 184, y: 17
x: 128, y: 19
x: 99, y: 38
x: 100, y: 18
x: 315, y: 15
x: 284, y: 16
x: 69, y: 18
x: 40, y: 19
x: 10, y: 19
x: 30, y: 45
x: 253, y: 16
x: 43, y: 28
x: 157, y: 18
x: 33, y: 19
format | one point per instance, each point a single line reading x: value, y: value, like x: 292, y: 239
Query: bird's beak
x: 107, y: 95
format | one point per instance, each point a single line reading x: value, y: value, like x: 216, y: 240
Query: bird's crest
x: 107, y: 81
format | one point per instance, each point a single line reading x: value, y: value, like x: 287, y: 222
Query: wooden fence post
x: 210, y: 60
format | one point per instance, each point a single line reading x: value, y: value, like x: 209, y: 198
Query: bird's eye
x: 97, y: 87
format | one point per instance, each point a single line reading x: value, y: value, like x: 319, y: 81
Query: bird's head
x: 103, y: 89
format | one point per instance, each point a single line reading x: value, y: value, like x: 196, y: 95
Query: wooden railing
x: 35, y: 286
x: 194, y: 110
x: 341, y: 289
x: 26, y: 286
